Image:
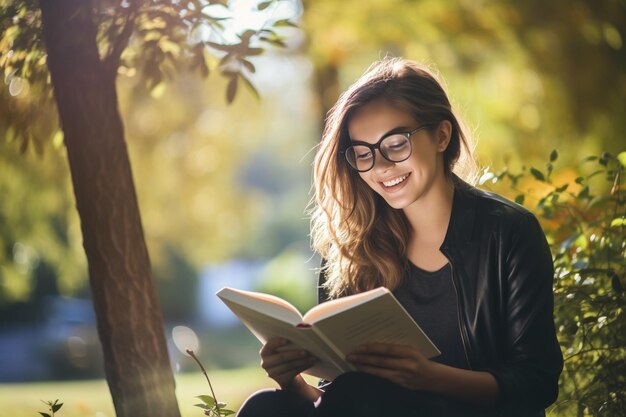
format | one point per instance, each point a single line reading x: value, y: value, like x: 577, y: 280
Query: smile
x: 395, y: 181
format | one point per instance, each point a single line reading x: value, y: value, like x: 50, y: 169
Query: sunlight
x: 185, y: 338
x: 245, y: 14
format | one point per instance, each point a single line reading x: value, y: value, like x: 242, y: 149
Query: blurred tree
x: 534, y: 77
x: 578, y: 48
x: 38, y: 224
x: 84, y: 50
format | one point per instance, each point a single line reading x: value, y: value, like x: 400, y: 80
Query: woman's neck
x: 430, y: 215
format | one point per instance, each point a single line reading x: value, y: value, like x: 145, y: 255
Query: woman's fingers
x: 291, y: 368
x: 285, y: 362
x: 388, y: 349
x: 282, y: 362
x: 279, y: 358
x: 379, y: 361
x: 272, y: 344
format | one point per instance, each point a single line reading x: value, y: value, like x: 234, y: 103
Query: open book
x: 330, y: 330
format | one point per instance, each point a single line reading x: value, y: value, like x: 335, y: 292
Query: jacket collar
x: 463, y: 215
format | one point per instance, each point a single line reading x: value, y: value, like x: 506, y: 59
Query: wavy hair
x: 362, y: 240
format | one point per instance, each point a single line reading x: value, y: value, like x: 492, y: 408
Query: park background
x: 223, y: 187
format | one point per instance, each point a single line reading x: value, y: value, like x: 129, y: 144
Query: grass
x: 92, y: 397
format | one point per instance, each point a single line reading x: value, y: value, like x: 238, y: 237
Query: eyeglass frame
x: 375, y: 146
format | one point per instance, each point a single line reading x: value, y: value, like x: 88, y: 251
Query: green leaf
x: 584, y: 193
x: 56, y: 407
x: 548, y: 212
x: 45, y: 414
x: 207, y: 399
x: 274, y: 41
x: 554, y: 155
x: 537, y: 174
x: 203, y: 406
x: 604, y: 158
x: 225, y: 412
x: 561, y: 188
x: 618, y: 222
x: 268, y: 31
x: 520, y: 199
x: 284, y: 22
x: 621, y: 157
x: 264, y: 5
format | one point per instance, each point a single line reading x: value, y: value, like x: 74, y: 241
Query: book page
x: 258, y: 301
x: 382, y: 319
x: 329, y: 365
x: 328, y: 308
x: 264, y: 327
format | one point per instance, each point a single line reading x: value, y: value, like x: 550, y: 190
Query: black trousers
x: 354, y: 394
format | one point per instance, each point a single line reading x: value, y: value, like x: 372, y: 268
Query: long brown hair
x: 363, y: 240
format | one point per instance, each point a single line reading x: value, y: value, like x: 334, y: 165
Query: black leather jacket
x: 503, y: 274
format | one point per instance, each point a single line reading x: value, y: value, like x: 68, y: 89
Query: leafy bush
x: 53, y: 407
x: 583, y: 212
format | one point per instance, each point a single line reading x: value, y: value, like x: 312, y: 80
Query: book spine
x: 338, y: 358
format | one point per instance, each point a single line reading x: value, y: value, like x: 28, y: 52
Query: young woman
x: 473, y: 269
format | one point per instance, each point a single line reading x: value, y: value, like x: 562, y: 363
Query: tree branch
x: 112, y: 60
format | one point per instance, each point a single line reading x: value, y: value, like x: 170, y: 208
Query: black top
x: 503, y: 272
x: 430, y: 298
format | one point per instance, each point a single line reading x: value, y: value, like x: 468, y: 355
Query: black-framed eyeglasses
x: 394, y: 147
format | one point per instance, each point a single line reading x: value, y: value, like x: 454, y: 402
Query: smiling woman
x: 473, y: 269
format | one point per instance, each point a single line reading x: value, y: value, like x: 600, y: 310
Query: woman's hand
x: 407, y: 367
x: 404, y: 365
x: 285, y: 365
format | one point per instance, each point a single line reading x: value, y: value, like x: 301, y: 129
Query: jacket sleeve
x: 528, y: 377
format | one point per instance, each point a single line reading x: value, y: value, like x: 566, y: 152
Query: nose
x: 381, y: 163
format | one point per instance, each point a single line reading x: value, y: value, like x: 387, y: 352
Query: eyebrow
x: 399, y: 129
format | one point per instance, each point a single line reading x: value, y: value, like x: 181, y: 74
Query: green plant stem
x: 193, y: 355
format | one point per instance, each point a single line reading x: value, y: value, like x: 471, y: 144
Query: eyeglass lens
x: 394, y: 148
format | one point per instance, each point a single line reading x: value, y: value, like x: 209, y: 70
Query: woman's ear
x: 443, y: 135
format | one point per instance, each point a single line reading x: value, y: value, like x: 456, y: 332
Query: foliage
x: 160, y: 39
x: 39, y: 215
x: 213, y: 408
x: 54, y: 407
x: 584, y: 217
x: 210, y: 405
x: 39, y: 229
x: 530, y: 73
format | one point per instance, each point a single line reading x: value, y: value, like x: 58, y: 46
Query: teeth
x: 394, y: 181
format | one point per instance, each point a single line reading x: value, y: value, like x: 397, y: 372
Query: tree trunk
x: 130, y: 323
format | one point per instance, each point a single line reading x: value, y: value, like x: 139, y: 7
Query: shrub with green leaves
x: 209, y: 404
x: 584, y: 217
x: 53, y: 408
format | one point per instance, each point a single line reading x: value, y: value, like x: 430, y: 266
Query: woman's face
x: 401, y: 183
